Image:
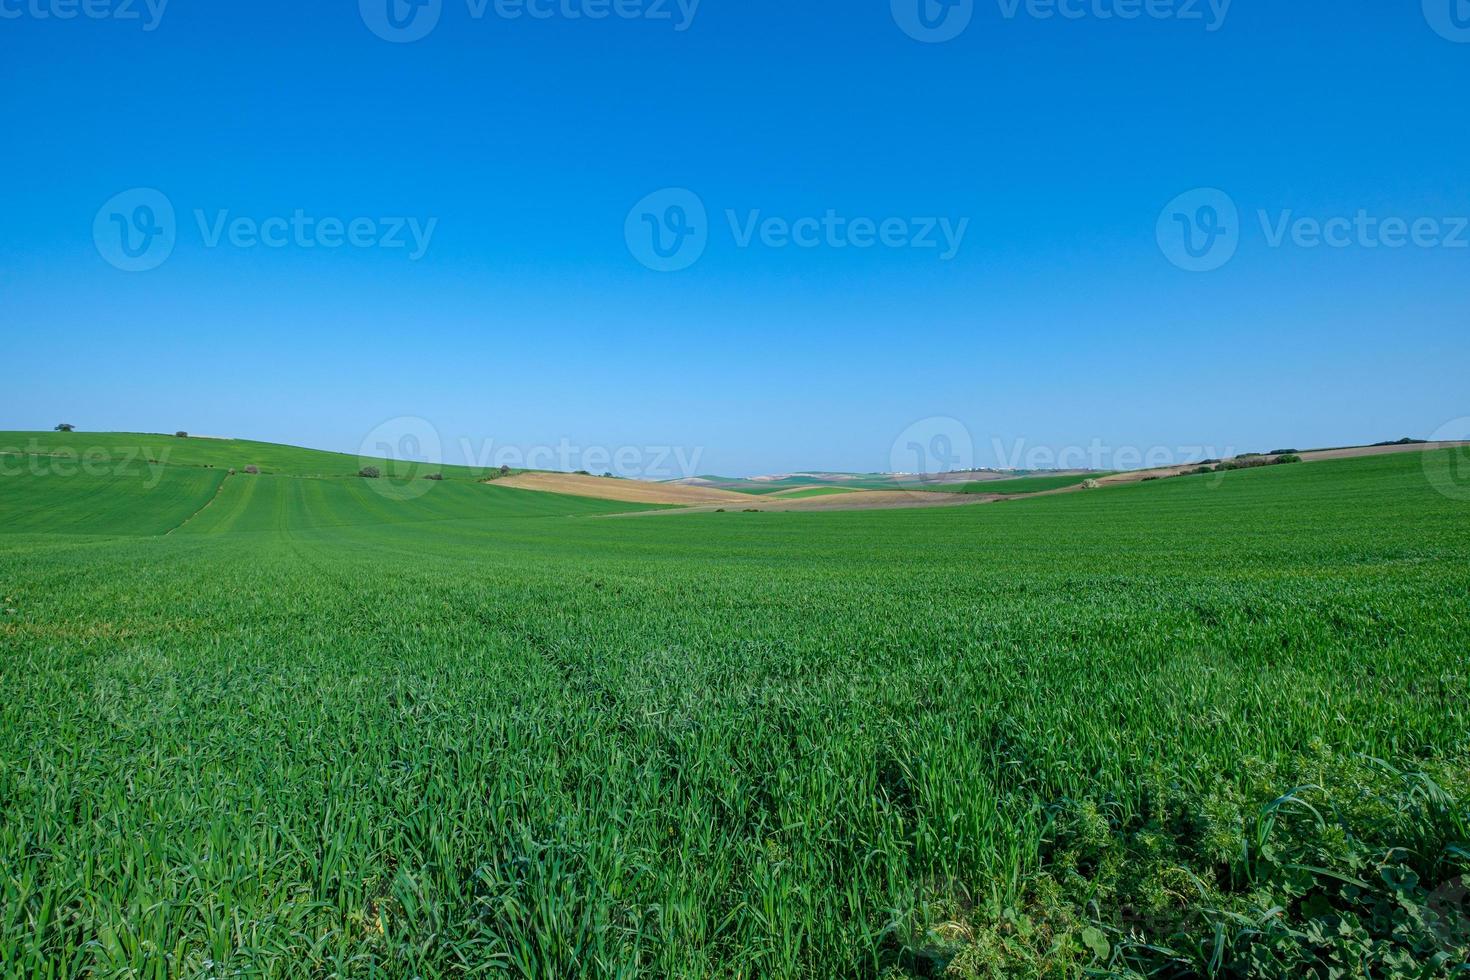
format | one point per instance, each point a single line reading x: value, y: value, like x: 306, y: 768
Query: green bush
x: 369, y: 473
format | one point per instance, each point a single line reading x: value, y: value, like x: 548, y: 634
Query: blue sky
x: 525, y: 143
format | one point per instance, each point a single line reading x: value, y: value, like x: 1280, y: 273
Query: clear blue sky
x: 528, y: 320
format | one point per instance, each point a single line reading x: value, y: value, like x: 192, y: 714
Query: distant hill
x: 214, y: 452
x: 961, y: 481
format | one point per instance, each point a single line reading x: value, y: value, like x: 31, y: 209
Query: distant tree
x: 252, y: 469
x: 369, y: 473
x: 505, y: 471
x: 182, y: 435
x: 434, y: 476
x: 66, y: 427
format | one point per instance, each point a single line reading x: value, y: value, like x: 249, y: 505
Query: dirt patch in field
x: 856, y: 500
x: 626, y: 491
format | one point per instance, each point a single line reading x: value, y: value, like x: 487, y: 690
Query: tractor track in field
x: 202, y: 507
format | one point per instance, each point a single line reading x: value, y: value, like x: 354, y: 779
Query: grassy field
x: 816, y: 492
x: 1208, y: 725
x: 1025, y: 484
x: 136, y: 450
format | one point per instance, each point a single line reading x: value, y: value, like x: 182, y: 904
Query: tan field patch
x: 626, y: 491
x: 856, y: 500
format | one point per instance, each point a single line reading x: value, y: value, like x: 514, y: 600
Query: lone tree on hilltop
x: 66, y: 427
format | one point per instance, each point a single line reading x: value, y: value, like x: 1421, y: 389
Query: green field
x: 1025, y: 484
x: 816, y: 492
x: 137, y: 450
x: 334, y: 727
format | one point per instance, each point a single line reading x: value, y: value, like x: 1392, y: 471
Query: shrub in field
x: 369, y: 473
x: 66, y: 427
x: 434, y: 476
x: 181, y: 434
x: 252, y: 470
x: 1286, y: 458
x: 1090, y: 484
x: 1249, y: 462
x: 232, y: 471
x: 505, y: 471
